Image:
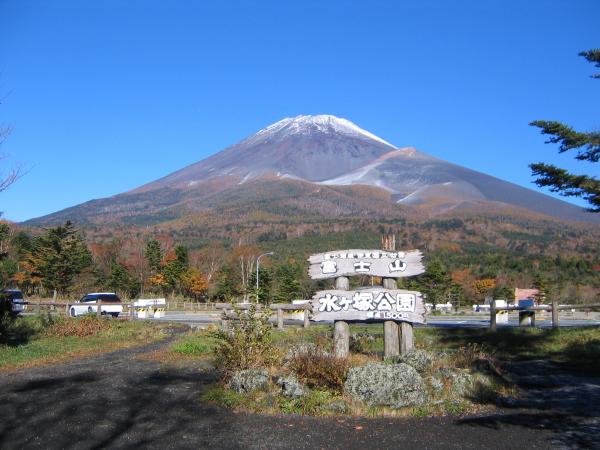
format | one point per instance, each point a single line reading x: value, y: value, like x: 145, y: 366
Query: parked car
x: 111, y: 304
x: 15, y: 296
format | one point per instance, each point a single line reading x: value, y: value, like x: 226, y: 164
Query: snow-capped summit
x: 306, y: 124
x: 312, y: 148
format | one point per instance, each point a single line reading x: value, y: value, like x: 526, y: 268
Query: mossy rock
x: 380, y: 384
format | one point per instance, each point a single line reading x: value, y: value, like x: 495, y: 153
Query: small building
x: 526, y: 294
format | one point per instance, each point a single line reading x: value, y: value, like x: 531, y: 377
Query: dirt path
x: 119, y: 401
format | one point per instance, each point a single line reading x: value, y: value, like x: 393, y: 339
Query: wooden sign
x: 379, y: 263
x: 370, y: 304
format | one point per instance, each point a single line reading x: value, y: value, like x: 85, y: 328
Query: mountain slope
x: 316, y: 166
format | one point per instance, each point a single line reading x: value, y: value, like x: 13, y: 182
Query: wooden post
x: 341, y: 329
x: 306, y: 318
x: 99, y: 310
x: 526, y: 318
x: 341, y: 338
x: 407, y: 340
x: 391, y: 339
x: 391, y: 331
x: 493, y: 315
x: 555, y: 323
x: 280, y: 319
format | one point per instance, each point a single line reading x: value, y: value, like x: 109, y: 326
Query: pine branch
x: 568, y: 184
x: 570, y: 139
x: 592, y: 56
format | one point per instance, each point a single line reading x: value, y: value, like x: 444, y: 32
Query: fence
x: 527, y: 313
x: 228, y: 313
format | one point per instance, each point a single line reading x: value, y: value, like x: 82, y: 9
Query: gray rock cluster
x: 249, y: 380
x: 420, y: 360
x: 380, y: 384
x: 291, y: 387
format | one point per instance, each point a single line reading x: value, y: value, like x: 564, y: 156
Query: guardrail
x: 527, y: 313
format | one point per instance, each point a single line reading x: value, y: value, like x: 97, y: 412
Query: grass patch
x: 573, y: 347
x: 194, y: 345
x: 49, y: 343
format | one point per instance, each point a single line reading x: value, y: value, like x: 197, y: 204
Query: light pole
x: 257, y: 264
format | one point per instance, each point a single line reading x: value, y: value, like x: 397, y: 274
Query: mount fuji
x: 320, y: 165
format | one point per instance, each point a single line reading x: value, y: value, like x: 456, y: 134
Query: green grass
x: 575, y: 347
x: 32, y: 345
x: 193, y: 345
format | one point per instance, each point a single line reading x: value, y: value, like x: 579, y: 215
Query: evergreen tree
x: 121, y: 281
x: 58, y: 256
x: 264, y: 285
x: 588, y: 145
x: 226, y: 288
x: 288, y: 287
x: 176, y: 267
x: 154, y: 256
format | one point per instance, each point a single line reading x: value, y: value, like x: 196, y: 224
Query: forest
x: 467, y: 259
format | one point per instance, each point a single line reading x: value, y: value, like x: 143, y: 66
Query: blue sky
x: 105, y: 96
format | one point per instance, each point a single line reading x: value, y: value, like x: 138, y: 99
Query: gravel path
x: 119, y: 401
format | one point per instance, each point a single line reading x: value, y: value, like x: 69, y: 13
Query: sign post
x: 397, y: 309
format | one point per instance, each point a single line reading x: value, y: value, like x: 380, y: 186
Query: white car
x: 111, y: 304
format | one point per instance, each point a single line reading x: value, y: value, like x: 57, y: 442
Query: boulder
x: 461, y: 380
x: 420, y: 360
x: 249, y: 380
x: 291, y: 387
x: 381, y: 384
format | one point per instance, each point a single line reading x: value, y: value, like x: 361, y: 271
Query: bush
x: 318, y: 369
x: 362, y: 343
x: 88, y: 325
x: 468, y: 356
x: 247, y: 344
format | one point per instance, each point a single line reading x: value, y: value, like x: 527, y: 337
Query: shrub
x: 362, y: 343
x: 320, y: 369
x: 88, y: 325
x: 247, y: 344
x: 468, y: 356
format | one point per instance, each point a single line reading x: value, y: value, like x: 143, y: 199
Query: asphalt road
x: 119, y: 400
x: 198, y: 319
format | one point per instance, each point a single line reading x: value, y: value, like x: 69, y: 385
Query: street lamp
x: 257, y: 263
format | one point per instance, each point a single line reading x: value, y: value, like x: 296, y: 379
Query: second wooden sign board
x: 345, y: 263
x: 369, y: 304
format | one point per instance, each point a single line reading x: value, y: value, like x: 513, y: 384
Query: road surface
x: 121, y: 400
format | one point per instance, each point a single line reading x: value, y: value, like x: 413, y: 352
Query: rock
x: 249, y: 380
x: 419, y: 359
x: 291, y: 387
x: 460, y: 379
x: 380, y: 384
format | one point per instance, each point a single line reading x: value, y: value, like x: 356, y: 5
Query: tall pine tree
x: 588, y: 146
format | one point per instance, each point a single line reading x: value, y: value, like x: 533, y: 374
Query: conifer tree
x: 588, y: 146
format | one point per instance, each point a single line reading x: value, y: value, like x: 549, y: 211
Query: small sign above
x: 379, y: 263
x: 371, y: 304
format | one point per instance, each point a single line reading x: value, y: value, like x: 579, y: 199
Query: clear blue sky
x: 107, y: 95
